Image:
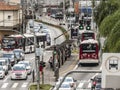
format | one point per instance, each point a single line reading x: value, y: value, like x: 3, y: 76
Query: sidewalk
x: 69, y: 65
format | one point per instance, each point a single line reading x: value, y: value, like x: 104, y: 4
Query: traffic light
x: 88, y: 27
x: 54, y: 51
x: 74, y: 33
x: 81, y: 27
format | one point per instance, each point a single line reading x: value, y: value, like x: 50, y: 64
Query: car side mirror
x: 75, y: 80
x: 71, y: 85
x: 91, y: 79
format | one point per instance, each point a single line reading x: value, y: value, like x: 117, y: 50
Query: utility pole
x: 93, y: 5
x: 37, y: 53
x: 64, y: 12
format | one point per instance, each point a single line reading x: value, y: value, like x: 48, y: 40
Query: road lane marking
x: 89, y: 85
x: 24, y: 84
x: 4, y: 85
x: 14, y: 85
x: 7, y: 77
x: 80, y: 84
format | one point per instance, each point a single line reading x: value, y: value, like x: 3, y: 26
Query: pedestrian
x: 51, y: 62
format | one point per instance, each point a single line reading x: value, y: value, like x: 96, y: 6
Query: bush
x: 42, y: 87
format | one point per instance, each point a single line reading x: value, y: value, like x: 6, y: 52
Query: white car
x: 69, y: 80
x: 11, y: 57
x: 66, y: 86
x: 19, y: 72
x: 2, y: 72
x: 20, y: 55
x: 28, y: 66
x: 3, y: 63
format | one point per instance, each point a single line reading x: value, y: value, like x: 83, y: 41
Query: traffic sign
x: 74, y: 33
x: 111, y: 70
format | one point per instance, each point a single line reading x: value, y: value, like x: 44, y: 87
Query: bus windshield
x: 8, y: 42
x: 88, y: 48
x: 88, y: 36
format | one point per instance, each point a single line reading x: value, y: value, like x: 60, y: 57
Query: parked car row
x: 8, y: 59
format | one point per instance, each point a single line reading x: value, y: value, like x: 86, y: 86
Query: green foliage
x: 104, y: 9
x: 113, y: 40
x: 108, y: 23
x: 42, y: 87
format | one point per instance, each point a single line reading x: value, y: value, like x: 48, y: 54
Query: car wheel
x: 11, y: 78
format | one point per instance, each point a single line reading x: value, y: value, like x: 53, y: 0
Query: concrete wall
x: 9, y: 18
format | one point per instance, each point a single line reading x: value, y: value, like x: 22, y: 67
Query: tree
x: 108, y: 23
x: 104, y: 9
x: 113, y: 40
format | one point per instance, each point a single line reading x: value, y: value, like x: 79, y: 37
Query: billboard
x: 76, y: 7
x: 111, y: 70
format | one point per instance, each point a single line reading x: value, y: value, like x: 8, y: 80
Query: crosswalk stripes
x: 24, y: 84
x: 84, y: 84
x: 4, y: 85
x: 13, y: 85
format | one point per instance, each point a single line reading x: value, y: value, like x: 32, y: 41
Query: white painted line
x: 95, y: 74
x: 14, y: 85
x: 89, y: 85
x: 6, y: 77
x: 80, y: 84
x: 4, y: 85
x: 24, y: 84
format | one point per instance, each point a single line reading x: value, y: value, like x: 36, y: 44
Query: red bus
x: 25, y: 42
x: 12, y: 42
x: 88, y: 35
x: 89, y: 52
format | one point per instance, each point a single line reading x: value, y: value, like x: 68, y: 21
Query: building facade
x: 10, y: 18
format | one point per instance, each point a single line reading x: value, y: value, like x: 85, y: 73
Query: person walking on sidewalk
x: 51, y: 62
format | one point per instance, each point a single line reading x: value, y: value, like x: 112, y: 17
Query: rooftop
x: 5, y: 6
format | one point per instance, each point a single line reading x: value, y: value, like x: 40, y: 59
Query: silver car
x: 28, y: 66
x: 19, y: 53
x: 2, y: 72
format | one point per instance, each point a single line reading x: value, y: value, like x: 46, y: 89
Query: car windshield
x: 65, y: 86
x: 1, y: 68
x: 16, y: 68
x: 25, y: 63
x: 98, y: 86
x: 68, y: 80
x: 2, y: 63
x: 8, y: 55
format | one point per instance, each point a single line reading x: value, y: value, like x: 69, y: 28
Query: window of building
x: 9, y: 17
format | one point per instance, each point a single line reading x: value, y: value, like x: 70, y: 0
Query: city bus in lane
x: 12, y: 42
x: 89, y: 52
x: 88, y: 35
x: 25, y: 42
